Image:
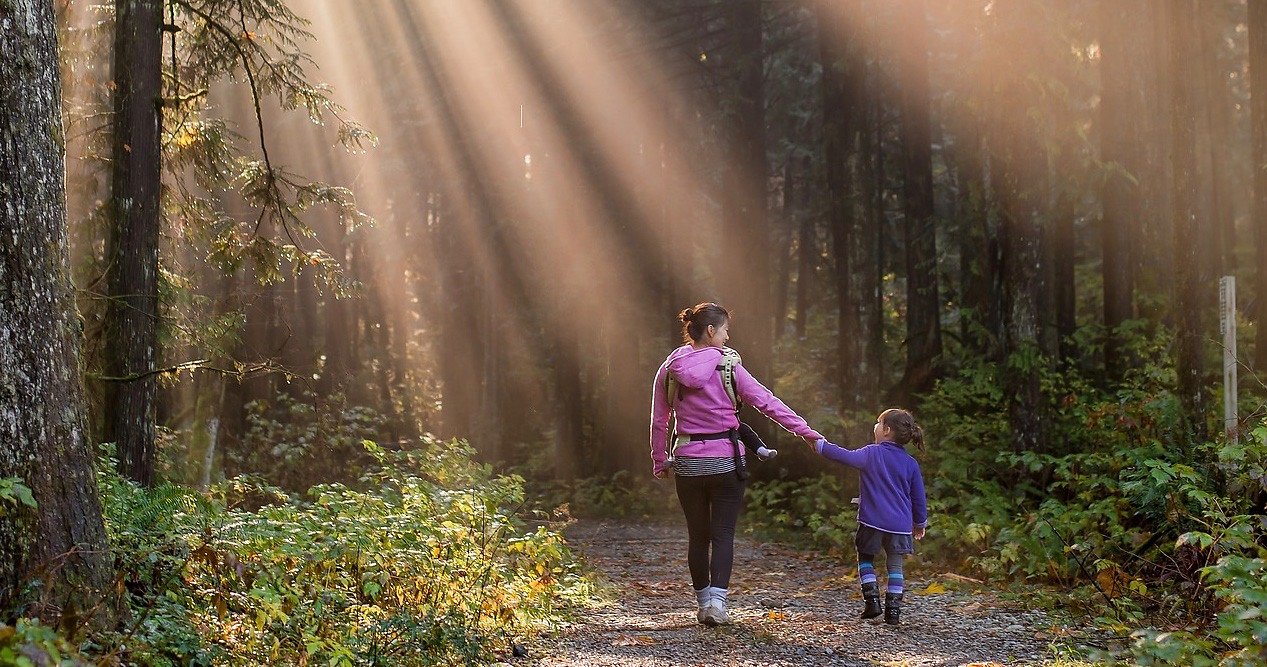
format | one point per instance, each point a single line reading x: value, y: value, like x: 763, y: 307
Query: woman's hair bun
x: 687, y: 314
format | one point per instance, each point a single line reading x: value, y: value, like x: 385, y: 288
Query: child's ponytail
x: 905, y: 430
x: 917, y: 438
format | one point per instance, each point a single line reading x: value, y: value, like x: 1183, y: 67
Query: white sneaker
x: 715, y: 613
x: 705, y: 599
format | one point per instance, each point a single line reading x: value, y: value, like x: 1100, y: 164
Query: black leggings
x: 711, y: 504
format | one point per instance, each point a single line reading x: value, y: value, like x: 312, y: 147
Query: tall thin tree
x: 923, y: 306
x: 1258, y: 121
x: 132, y: 255
x: 1017, y: 151
x: 745, y: 263
x: 1120, y: 100
x: 1188, y: 308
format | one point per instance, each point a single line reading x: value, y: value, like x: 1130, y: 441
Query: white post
x: 1227, y: 325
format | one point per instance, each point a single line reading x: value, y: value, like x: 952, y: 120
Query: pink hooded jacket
x: 704, y: 407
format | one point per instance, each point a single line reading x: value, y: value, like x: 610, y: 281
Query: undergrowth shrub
x: 295, y: 442
x: 426, y: 560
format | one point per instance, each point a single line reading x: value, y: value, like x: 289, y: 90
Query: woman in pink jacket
x: 708, y: 464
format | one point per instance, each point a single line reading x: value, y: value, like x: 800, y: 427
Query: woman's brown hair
x: 697, y: 319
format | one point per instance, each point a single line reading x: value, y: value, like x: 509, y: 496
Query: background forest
x: 318, y: 247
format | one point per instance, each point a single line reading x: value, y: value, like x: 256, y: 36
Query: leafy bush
x: 427, y: 561
x: 296, y: 442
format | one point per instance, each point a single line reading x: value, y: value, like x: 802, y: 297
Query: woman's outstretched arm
x: 755, y: 394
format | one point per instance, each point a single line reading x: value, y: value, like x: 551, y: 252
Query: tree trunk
x: 744, y: 270
x: 871, y: 242
x: 843, y: 72
x: 132, y: 318
x: 1064, y: 256
x: 1154, y: 250
x: 43, y: 440
x: 1121, y: 100
x: 923, y: 307
x: 784, y: 247
x: 806, y: 250
x: 978, y: 265
x: 1217, y: 99
x: 1017, y: 153
x: 1189, y: 308
x: 1258, y: 121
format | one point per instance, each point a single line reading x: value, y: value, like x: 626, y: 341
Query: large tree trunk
x: 1258, y: 120
x: 43, y: 441
x: 132, y: 318
x: 1189, y: 308
x: 1121, y: 100
x: 923, y: 307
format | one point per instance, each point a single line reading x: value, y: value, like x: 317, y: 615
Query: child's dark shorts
x: 873, y: 540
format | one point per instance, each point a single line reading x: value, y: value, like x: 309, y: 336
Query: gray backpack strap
x: 729, y: 359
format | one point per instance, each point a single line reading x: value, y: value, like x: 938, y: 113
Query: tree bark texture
x: 1189, y: 308
x: 43, y: 439
x: 923, y: 307
x: 132, y: 316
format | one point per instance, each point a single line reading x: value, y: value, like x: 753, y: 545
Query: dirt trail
x: 789, y: 608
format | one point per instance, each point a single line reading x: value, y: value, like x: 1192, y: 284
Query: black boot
x: 871, y: 595
x: 892, y: 608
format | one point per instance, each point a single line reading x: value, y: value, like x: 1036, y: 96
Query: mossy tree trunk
x: 43, y: 440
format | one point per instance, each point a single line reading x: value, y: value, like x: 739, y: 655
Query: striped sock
x: 895, y: 583
x: 866, y: 572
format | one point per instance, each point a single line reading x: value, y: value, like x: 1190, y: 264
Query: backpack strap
x: 729, y: 359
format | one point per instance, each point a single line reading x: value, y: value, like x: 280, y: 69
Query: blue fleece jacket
x: 892, y: 487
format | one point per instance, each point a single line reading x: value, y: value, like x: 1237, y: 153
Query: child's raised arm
x: 854, y: 458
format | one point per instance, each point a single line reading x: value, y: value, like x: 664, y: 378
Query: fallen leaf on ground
x: 935, y: 588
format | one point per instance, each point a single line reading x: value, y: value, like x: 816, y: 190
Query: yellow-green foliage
x: 425, y: 562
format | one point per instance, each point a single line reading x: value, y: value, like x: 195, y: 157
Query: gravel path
x: 789, y: 608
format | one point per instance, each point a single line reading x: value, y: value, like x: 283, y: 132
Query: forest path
x: 788, y: 607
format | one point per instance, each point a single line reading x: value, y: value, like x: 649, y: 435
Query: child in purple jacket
x: 892, y: 511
